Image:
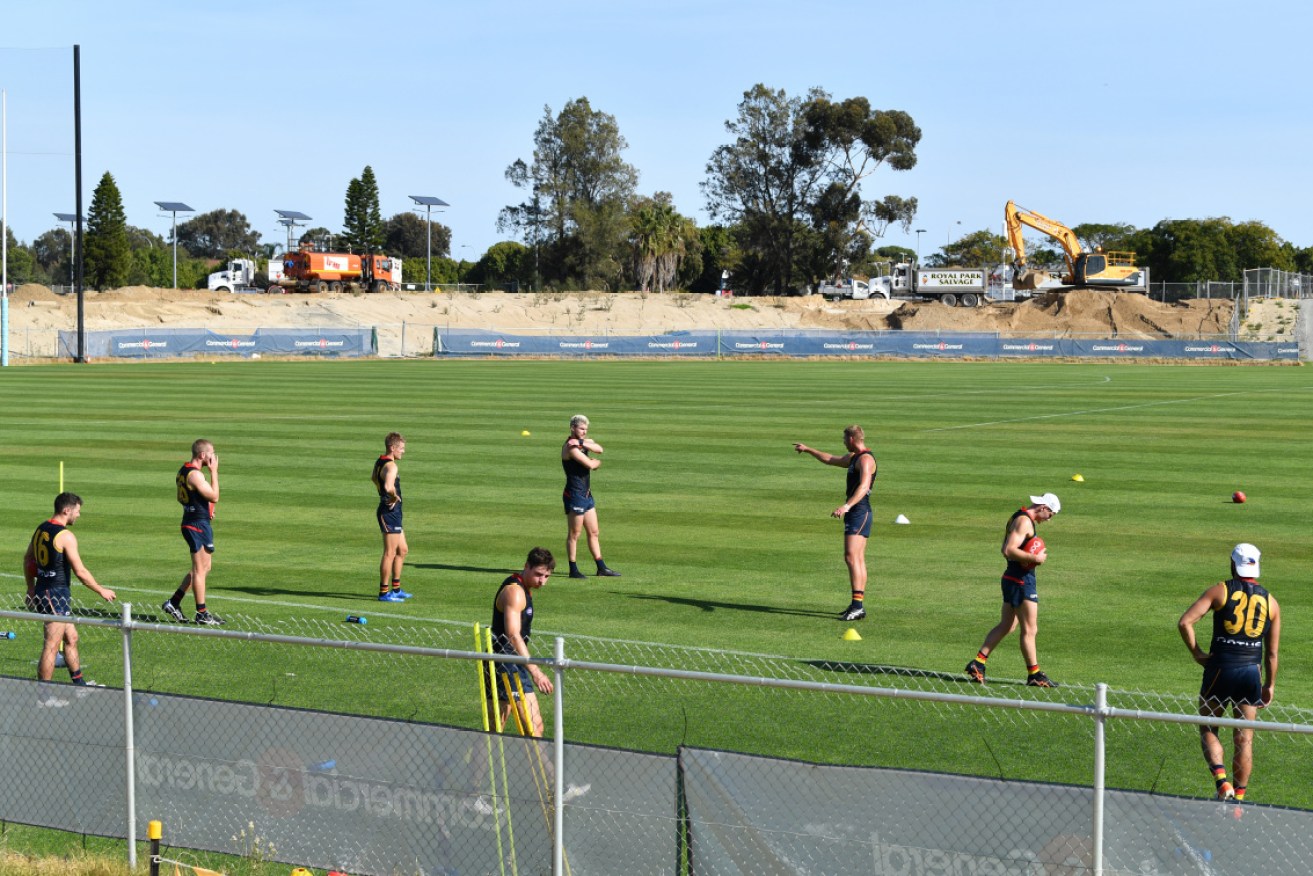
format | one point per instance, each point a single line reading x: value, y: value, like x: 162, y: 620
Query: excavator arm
x: 1019, y: 216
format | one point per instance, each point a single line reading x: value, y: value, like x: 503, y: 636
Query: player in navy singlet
x: 512, y: 625
x: 387, y: 481
x: 580, y: 509
x: 51, y: 558
x: 1246, y: 633
x: 197, y: 498
x: 855, y: 511
x: 1020, y: 597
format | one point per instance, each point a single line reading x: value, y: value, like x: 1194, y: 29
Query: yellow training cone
x: 851, y: 635
x: 1078, y: 478
x: 525, y: 433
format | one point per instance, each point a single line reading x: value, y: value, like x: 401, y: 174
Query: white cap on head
x: 1048, y: 500
x: 1245, y: 558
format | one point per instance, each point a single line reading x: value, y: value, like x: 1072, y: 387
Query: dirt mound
x: 1079, y: 313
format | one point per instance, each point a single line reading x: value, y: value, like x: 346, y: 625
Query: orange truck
x: 308, y: 271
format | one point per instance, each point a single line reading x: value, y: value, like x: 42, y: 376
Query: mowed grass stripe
x: 721, y: 531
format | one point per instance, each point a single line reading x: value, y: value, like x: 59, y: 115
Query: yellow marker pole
x: 492, y: 771
x: 61, y: 476
x: 501, y: 753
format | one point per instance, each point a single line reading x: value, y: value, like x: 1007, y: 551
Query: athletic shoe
x: 852, y: 613
x: 208, y: 619
x: 85, y: 683
x: 574, y: 792
x: 577, y: 574
x: 52, y: 702
x: 173, y: 611
x: 390, y: 597
x: 1225, y: 792
x: 607, y: 573
x: 976, y: 671
x: 397, y: 591
x: 1039, y: 679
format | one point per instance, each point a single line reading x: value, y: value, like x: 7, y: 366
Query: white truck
x: 858, y: 290
x: 239, y: 276
x: 952, y: 286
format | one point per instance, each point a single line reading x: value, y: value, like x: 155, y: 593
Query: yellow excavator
x: 1085, y: 270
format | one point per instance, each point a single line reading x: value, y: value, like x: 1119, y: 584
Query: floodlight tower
x: 428, y: 202
x: 291, y: 219
x: 174, y: 207
x: 72, y: 220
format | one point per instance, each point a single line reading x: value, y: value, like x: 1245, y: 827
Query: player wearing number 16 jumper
x: 1246, y: 629
x: 1020, y: 596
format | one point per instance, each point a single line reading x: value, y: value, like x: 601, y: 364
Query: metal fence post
x: 1100, y: 720
x: 129, y: 744
x: 558, y: 756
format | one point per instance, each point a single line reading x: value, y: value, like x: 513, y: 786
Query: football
x: 1238, y: 497
x: 1034, y: 546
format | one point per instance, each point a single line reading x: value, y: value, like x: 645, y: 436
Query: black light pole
x: 428, y: 202
x: 77, y: 172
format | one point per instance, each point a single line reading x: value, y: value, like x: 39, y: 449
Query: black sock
x: 177, y: 596
x: 200, y: 607
x: 574, y: 567
x: 601, y: 564
x: 75, y: 677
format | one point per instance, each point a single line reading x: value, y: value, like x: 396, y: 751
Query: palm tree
x: 659, y: 240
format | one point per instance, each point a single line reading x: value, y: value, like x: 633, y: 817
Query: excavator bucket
x: 1030, y: 280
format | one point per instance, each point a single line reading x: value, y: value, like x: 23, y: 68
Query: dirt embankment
x: 36, y: 312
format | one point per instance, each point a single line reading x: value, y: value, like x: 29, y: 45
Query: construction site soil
x: 36, y: 311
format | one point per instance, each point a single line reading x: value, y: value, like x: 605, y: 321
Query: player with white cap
x: 1246, y: 631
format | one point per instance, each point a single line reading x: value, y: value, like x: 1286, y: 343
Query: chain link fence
x: 672, y: 760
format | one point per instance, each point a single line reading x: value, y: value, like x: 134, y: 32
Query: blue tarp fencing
x: 171, y: 343
x: 936, y: 345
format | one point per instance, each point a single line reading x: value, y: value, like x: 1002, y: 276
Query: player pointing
x: 855, y: 511
x: 1246, y: 630
x: 1024, y: 552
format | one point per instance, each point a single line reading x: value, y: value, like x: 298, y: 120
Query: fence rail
x: 354, y: 787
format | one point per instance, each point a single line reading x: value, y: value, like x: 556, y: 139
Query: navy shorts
x: 57, y: 601
x: 509, y: 671
x: 389, y: 519
x: 858, y: 521
x: 1015, y: 593
x: 199, y: 536
x: 1241, y: 685
x: 578, y: 504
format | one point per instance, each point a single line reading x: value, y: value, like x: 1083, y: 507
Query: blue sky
x: 1117, y: 112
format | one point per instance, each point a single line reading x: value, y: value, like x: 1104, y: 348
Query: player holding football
x: 855, y: 511
x: 1246, y: 628
x: 1020, y: 597
x: 580, y: 509
x: 197, y: 498
x: 388, y: 483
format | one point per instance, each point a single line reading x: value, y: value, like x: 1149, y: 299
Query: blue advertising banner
x: 476, y: 342
x: 146, y: 343
x: 826, y: 343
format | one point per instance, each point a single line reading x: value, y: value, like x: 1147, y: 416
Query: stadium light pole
x: 174, y: 207
x: 919, y: 232
x: 428, y: 202
x: 71, y: 219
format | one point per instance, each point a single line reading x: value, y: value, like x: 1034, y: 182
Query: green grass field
x: 722, y: 532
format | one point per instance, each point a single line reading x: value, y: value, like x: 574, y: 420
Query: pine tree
x: 107, y: 253
x: 363, y: 223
